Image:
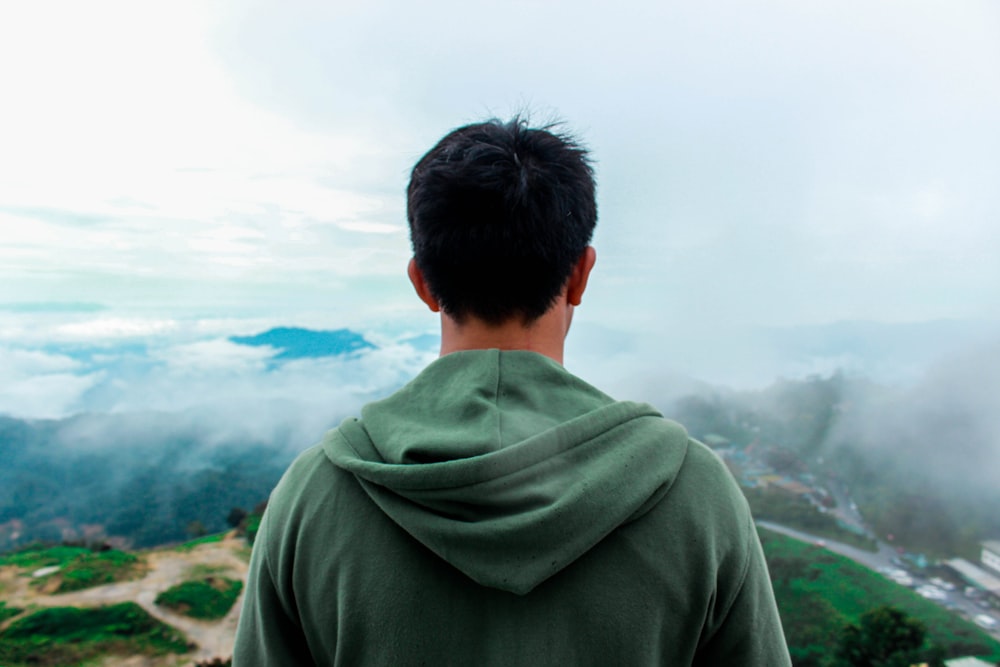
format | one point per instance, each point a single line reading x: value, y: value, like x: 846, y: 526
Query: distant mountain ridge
x: 298, y: 343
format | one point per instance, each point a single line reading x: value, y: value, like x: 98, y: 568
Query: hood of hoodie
x: 506, y: 465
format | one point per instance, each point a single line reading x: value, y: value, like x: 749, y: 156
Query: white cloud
x: 206, y: 357
x: 189, y: 368
x: 45, y: 396
x: 113, y: 328
x: 37, y: 385
x: 16, y: 362
x: 771, y: 163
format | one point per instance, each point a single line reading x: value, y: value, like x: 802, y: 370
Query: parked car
x: 932, y: 592
x: 902, y: 579
x: 986, y: 621
x: 942, y: 584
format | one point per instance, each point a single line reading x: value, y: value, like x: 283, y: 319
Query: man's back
x: 499, y: 511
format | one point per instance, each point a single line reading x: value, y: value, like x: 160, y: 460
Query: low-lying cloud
x: 54, y: 365
x: 944, y: 428
x: 234, y: 391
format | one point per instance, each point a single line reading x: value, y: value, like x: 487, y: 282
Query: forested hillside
x: 160, y: 480
x: 920, y: 463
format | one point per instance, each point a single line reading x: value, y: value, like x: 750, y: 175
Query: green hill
x: 819, y: 592
x: 67, y: 605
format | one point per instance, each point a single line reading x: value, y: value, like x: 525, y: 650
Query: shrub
x: 208, y: 598
x: 252, y: 526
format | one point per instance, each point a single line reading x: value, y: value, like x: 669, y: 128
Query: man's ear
x: 577, y: 283
x: 420, y: 285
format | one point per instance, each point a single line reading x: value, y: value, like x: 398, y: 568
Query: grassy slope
x: 819, y: 591
x: 68, y: 635
x: 79, y: 567
x: 32, y: 558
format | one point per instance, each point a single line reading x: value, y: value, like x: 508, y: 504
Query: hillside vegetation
x: 69, y: 635
x: 138, y: 480
x: 819, y: 593
x: 917, y: 462
x: 75, y: 568
x: 40, y: 624
x: 211, y: 597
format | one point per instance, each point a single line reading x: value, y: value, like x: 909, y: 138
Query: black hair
x: 499, y: 214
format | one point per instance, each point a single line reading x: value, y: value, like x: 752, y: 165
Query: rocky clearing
x: 165, y: 568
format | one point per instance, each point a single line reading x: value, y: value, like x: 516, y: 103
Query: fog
x: 938, y: 377
x: 143, y: 424
x: 943, y: 430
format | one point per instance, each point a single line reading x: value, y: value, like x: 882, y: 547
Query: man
x: 498, y: 510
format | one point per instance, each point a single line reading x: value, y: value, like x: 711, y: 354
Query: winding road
x: 870, y: 559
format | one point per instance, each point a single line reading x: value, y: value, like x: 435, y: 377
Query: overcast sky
x: 759, y: 163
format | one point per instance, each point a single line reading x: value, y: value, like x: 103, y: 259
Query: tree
x: 236, y: 516
x: 885, y: 637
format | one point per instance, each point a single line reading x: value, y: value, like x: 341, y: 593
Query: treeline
x: 162, y: 477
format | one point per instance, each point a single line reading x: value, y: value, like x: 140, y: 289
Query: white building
x: 991, y: 555
x: 966, y: 662
x: 976, y: 576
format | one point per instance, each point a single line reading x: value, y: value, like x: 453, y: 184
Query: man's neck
x: 546, y: 335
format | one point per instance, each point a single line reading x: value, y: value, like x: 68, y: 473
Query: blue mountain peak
x: 295, y: 343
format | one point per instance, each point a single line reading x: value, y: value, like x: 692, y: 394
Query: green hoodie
x: 498, y: 510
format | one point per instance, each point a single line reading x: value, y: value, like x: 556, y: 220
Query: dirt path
x: 166, y: 568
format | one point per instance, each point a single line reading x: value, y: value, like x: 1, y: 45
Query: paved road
x: 871, y: 560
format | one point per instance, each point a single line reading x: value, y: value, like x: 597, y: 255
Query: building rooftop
x: 966, y: 662
x: 975, y: 574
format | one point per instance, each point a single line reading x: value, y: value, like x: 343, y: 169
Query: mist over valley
x: 136, y: 431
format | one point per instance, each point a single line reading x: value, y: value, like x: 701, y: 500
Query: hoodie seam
x: 660, y: 494
x: 496, y: 403
x: 343, y: 436
x: 748, y: 528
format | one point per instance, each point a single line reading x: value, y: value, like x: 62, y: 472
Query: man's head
x: 499, y: 215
